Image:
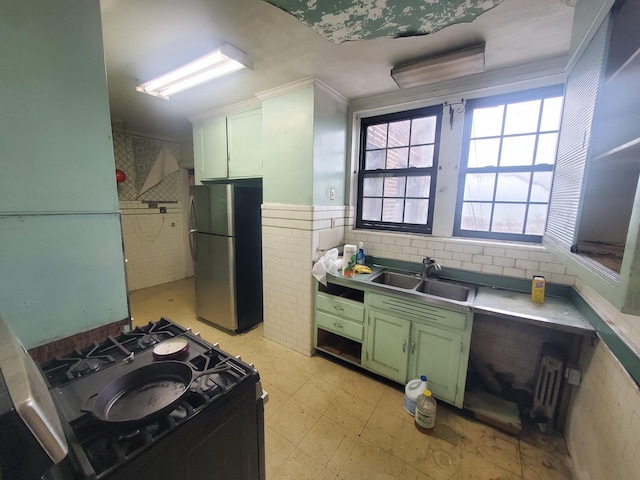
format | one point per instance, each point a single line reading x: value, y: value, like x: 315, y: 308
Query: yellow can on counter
x: 537, y: 289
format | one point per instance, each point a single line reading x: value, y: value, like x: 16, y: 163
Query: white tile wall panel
x: 290, y: 237
x: 153, y: 244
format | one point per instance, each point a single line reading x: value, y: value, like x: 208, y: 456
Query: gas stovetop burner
x: 87, y: 365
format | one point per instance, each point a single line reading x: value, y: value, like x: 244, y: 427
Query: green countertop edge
x: 625, y: 355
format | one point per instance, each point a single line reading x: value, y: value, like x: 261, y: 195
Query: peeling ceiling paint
x: 351, y: 20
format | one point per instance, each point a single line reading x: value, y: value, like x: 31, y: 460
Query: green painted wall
x: 62, y: 272
x: 329, y: 149
x: 56, y: 152
x: 287, y: 146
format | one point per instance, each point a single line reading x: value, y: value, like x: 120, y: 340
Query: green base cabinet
x: 437, y: 353
x: 399, y: 339
x: 387, y: 345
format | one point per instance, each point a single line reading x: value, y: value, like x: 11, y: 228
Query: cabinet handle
x: 413, y: 347
x: 340, y: 309
x: 337, y: 325
x: 404, y: 345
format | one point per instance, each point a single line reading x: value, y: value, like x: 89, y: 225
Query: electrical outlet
x: 573, y: 376
x: 163, y: 209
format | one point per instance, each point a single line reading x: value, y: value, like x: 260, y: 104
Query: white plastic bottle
x: 360, y: 254
x: 425, y: 417
x: 412, y: 391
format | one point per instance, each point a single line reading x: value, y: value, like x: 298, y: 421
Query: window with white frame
x: 506, y: 168
x: 397, y: 174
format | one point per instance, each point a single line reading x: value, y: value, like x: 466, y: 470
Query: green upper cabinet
x: 210, y: 149
x: 244, y: 137
x: 387, y: 345
x: 228, y: 147
x: 436, y: 352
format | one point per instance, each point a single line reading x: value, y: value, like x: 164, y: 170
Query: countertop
x: 556, y: 312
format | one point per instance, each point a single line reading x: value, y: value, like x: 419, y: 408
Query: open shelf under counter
x: 339, y: 346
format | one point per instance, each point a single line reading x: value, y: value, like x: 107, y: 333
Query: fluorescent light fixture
x: 441, y: 67
x: 222, y: 61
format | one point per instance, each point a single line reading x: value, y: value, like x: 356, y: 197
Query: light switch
x: 332, y: 193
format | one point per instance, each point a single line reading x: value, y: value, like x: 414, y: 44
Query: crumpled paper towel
x: 328, y: 263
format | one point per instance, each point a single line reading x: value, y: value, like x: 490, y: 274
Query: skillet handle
x: 219, y: 369
x: 89, y: 405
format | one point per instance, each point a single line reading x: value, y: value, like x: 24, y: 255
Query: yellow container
x: 537, y: 289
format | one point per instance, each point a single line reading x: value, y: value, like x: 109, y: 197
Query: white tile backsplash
x: 498, y: 258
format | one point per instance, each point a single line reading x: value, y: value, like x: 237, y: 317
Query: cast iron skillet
x: 144, y: 393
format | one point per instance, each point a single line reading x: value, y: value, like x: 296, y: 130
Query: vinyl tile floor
x: 325, y: 420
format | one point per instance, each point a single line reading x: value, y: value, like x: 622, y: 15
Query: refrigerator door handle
x: 193, y: 229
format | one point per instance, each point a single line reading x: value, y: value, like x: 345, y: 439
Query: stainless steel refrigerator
x: 226, y: 246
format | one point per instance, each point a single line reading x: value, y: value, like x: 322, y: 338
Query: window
x: 397, y: 175
x: 508, y: 152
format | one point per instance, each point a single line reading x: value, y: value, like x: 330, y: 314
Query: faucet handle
x: 428, y: 261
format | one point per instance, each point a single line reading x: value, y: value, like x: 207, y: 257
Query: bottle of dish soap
x: 360, y: 255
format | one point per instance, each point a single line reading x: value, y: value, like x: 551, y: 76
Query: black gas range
x: 216, y: 431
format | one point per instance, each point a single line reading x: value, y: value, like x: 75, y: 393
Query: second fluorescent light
x: 222, y: 61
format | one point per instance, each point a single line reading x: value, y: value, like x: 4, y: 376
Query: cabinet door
x: 436, y: 353
x: 210, y: 149
x: 388, y: 345
x: 244, y: 137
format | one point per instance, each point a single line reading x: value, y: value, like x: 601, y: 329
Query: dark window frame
x: 505, y: 99
x: 435, y: 110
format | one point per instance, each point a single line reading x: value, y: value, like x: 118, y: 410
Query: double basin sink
x: 442, y: 289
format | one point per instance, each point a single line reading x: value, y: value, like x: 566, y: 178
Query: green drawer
x: 419, y: 311
x: 340, y: 306
x: 340, y: 326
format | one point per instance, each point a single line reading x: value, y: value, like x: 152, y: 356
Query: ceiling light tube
x: 222, y: 61
x: 447, y: 66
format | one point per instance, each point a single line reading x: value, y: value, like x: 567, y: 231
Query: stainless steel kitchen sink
x: 398, y: 280
x: 437, y: 288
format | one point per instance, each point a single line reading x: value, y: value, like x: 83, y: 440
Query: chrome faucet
x: 429, y: 266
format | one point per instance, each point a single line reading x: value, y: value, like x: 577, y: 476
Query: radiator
x: 545, y: 396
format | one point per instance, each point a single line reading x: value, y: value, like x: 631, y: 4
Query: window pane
x: 551, y: 114
x: 421, y: 156
x: 423, y: 130
x: 416, y: 211
x: 546, y: 152
x: 371, y: 209
x: 392, y: 210
x: 377, y: 136
x: 484, y: 153
x: 536, y: 219
x: 374, y: 160
x: 476, y: 216
x: 513, y: 187
x: 418, y: 186
x: 487, y: 122
x: 541, y: 187
x: 372, y: 187
x: 399, y: 133
x: 508, y: 218
x: 397, y: 158
x: 479, y: 186
x: 517, y: 151
x: 394, y: 186
x: 522, y: 117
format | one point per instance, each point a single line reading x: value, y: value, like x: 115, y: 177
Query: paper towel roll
x: 349, y: 260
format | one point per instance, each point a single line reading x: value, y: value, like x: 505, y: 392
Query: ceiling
x: 145, y: 38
